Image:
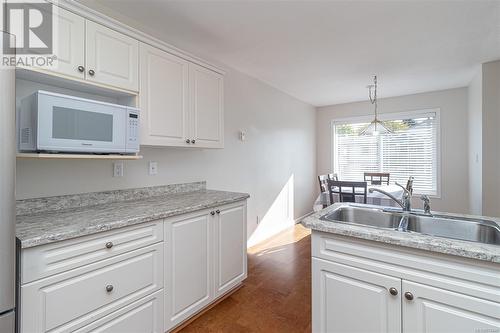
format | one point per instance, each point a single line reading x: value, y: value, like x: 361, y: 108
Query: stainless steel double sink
x: 441, y: 225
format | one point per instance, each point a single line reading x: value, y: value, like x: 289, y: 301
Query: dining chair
x: 323, y: 183
x: 333, y: 176
x: 377, y: 178
x: 323, y: 188
x: 347, y: 191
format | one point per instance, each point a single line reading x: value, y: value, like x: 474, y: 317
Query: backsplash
x: 38, y: 205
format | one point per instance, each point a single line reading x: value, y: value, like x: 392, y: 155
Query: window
x: 412, y: 150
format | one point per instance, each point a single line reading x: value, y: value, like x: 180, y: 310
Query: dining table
x: 373, y: 198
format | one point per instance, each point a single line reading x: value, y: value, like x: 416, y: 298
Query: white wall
x: 454, y: 141
x: 491, y: 138
x: 475, y: 99
x: 276, y: 164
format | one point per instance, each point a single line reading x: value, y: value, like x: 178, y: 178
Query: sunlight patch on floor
x: 289, y: 236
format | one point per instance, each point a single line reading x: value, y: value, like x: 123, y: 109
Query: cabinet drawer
x: 143, y: 316
x: 42, y: 261
x: 79, y: 296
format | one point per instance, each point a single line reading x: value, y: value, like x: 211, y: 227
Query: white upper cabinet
x: 89, y: 51
x: 70, y: 44
x: 163, y: 98
x: 112, y: 58
x: 181, y: 103
x: 207, y: 107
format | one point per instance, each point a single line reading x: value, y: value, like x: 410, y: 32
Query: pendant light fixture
x: 376, y: 127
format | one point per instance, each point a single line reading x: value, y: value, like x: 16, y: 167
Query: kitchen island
x: 366, y: 278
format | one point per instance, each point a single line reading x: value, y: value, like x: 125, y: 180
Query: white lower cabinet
x: 188, y: 270
x: 146, y: 278
x: 143, y: 316
x: 106, y: 282
x: 73, y: 299
x: 206, y: 258
x: 342, y: 295
x: 230, y: 255
x: 435, y: 310
x: 362, y: 286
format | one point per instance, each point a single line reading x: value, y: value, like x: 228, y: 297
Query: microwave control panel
x: 133, y: 130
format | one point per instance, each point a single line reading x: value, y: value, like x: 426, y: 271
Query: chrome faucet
x: 427, y: 204
x: 405, y: 201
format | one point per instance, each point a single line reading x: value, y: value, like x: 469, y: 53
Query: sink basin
x: 473, y: 230
x: 366, y: 216
x: 468, y: 229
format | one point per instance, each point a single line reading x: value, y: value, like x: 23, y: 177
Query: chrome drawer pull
x: 109, y: 288
x: 109, y: 245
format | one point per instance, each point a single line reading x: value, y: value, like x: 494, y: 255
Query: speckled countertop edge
x: 484, y: 252
x: 54, y: 226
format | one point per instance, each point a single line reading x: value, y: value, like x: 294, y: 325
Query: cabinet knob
x: 91, y: 72
x: 193, y: 141
x: 109, y: 245
x: 212, y: 213
x: 81, y: 69
x: 109, y: 288
x: 188, y: 141
x: 409, y: 296
x: 217, y: 211
x: 393, y: 291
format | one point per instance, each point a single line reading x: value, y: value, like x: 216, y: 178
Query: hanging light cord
x: 372, y: 94
x: 373, y: 99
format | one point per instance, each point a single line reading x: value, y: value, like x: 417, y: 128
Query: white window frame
x: 391, y: 116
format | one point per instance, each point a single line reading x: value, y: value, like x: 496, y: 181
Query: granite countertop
x: 37, y: 228
x: 472, y: 250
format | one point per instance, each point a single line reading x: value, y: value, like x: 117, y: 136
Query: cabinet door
x: 69, y: 43
x: 230, y: 259
x: 434, y: 310
x: 348, y: 299
x: 163, y: 98
x: 111, y: 57
x: 207, y: 107
x: 188, y: 269
x: 143, y: 316
x: 78, y: 297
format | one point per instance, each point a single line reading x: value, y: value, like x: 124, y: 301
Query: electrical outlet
x: 118, y: 169
x: 258, y: 219
x: 242, y: 135
x: 153, y: 168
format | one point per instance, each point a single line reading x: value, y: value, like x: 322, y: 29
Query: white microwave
x: 50, y: 122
